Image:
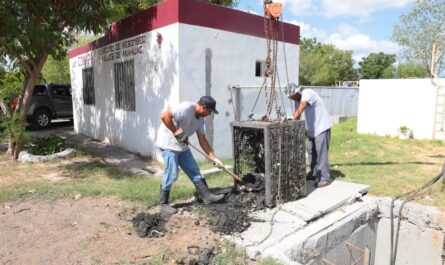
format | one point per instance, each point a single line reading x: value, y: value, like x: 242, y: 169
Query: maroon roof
x: 192, y: 12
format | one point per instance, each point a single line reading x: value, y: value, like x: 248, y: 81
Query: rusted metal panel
x: 275, y: 149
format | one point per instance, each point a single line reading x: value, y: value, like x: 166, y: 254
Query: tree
x: 125, y: 8
x: 411, y: 70
x: 56, y: 71
x: 343, y: 64
x: 373, y: 66
x: 419, y: 29
x: 10, y: 84
x: 405, y: 70
x: 323, y: 64
x: 30, y: 31
x: 226, y: 3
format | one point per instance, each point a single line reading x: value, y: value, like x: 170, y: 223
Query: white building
x: 385, y: 105
x: 178, y: 50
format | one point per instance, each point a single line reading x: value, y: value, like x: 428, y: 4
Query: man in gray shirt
x: 318, y: 127
x: 177, y: 125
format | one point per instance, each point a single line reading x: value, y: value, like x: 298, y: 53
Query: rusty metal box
x: 275, y: 149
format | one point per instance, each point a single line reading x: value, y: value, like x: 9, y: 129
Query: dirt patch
x: 97, y: 231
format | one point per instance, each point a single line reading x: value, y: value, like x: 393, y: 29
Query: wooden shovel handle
x: 235, y: 177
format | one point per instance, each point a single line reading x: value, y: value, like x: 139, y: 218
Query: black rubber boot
x: 198, y: 197
x: 205, y: 195
x: 164, y: 203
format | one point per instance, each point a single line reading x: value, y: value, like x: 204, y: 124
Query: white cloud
x: 347, y: 37
x: 250, y: 11
x: 350, y: 38
x: 308, y: 31
x: 335, y: 8
x: 299, y: 7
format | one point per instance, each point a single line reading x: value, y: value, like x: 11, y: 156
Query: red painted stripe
x: 212, y: 16
x: 158, y: 16
x: 192, y: 12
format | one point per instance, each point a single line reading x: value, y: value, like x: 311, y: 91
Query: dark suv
x: 50, y: 101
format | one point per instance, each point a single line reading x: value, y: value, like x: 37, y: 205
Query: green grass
x: 389, y: 165
x: 232, y: 256
x: 96, y: 179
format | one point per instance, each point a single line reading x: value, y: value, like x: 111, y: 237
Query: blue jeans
x: 174, y: 159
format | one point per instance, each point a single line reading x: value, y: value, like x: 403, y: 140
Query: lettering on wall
x: 122, y: 49
x: 84, y: 60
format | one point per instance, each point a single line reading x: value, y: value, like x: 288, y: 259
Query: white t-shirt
x: 315, y: 114
x: 184, y: 117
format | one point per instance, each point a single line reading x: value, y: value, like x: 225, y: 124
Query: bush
x: 13, y: 128
x: 47, y: 146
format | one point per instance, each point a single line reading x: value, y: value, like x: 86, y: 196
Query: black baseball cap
x: 209, y: 102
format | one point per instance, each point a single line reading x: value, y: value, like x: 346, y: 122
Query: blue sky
x: 363, y: 26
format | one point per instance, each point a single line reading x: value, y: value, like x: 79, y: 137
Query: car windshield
x: 62, y: 91
x: 40, y: 90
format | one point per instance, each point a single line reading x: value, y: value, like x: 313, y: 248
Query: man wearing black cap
x: 177, y: 125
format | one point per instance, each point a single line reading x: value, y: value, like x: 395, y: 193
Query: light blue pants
x: 174, y: 159
x: 317, y: 150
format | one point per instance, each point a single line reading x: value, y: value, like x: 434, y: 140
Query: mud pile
x: 231, y: 215
x: 149, y: 225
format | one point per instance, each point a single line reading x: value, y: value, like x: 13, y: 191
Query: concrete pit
x: 339, y: 225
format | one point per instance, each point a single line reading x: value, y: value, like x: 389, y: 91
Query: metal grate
x: 88, y: 86
x: 275, y: 149
x: 124, y: 85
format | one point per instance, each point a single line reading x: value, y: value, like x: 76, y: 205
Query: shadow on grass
x: 385, y: 163
x: 337, y: 174
x: 84, y: 169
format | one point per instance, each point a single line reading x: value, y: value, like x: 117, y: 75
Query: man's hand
x: 217, y: 163
x: 181, y: 137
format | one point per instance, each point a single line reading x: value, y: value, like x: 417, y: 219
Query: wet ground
x: 231, y: 215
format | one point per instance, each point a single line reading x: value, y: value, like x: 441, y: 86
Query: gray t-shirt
x: 184, y: 117
x: 315, y: 115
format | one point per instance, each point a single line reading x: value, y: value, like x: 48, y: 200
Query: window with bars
x: 124, y: 90
x: 88, y: 86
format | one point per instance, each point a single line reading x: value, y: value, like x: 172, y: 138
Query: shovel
x: 235, y: 177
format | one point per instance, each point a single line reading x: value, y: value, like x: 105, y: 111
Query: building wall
x: 210, y: 60
x: 166, y: 75
x: 156, y: 88
x: 387, y: 104
x: 190, y: 49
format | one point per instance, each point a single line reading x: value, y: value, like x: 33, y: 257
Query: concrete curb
x: 24, y: 156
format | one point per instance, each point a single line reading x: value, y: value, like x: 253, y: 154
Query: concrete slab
x: 288, y: 219
x: 273, y: 226
x: 325, y: 237
x: 324, y: 200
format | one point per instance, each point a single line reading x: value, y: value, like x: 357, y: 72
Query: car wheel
x: 42, y: 119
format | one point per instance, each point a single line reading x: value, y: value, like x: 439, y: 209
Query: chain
x: 271, y: 30
x: 258, y: 96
